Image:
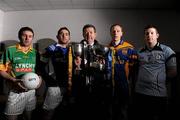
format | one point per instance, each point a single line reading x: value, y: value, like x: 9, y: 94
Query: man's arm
x: 5, y: 75
x: 171, y: 68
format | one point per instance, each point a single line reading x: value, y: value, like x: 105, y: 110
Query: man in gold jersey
x: 16, y: 61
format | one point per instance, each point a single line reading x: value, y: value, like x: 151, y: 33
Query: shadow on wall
x: 41, y: 44
x: 7, y: 43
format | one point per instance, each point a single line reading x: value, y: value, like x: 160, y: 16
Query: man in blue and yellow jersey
x: 120, y: 64
x: 15, y: 62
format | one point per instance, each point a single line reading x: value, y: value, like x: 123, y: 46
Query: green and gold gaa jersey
x: 16, y: 62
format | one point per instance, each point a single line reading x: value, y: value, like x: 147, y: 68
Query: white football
x: 31, y: 80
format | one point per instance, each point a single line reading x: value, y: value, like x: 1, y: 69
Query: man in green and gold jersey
x: 16, y: 61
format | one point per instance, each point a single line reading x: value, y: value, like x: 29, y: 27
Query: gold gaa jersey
x: 16, y: 62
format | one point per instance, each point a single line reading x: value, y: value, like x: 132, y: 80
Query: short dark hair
x: 63, y: 28
x: 24, y: 29
x: 151, y: 26
x: 116, y: 25
x: 88, y: 26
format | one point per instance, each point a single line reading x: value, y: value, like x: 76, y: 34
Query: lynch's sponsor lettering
x: 25, y: 65
x: 24, y: 70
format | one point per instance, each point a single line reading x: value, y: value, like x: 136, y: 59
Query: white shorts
x: 18, y: 102
x: 53, y: 98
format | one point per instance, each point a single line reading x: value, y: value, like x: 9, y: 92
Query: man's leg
x: 28, y: 115
x: 11, y: 117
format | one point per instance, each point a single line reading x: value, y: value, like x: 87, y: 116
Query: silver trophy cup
x: 77, y: 50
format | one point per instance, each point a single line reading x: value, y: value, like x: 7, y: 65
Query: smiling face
x: 89, y: 35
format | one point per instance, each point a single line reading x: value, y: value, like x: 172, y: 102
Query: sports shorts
x: 53, y: 98
x: 18, y: 102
